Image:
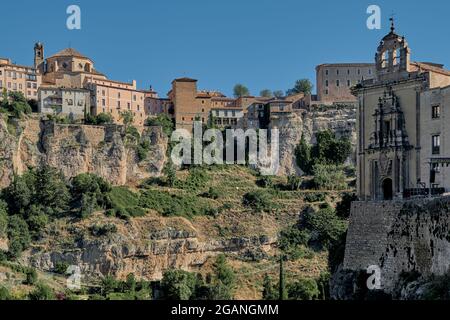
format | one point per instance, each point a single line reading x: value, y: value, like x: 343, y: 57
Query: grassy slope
x: 232, y: 183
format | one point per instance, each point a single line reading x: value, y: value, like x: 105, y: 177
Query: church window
x: 326, y: 72
x: 349, y: 83
x: 436, y: 112
x: 436, y: 144
x: 338, y: 83
x: 384, y: 59
x: 396, y: 57
x: 326, y: 83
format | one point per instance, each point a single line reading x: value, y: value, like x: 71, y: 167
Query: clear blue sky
x: 260, y: 43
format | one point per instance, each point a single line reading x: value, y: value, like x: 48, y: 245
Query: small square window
x: 436, y: 144
x: 436, y: 112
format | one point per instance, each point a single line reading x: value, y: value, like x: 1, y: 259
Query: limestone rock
x: 75, y: 149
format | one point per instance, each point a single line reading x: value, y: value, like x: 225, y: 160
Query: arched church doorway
x: 388, y: 193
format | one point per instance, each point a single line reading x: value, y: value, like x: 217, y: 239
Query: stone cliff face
x: 76, y: 149
x: 340, y: 120
x: 401, y: 238
x: 144, y: 246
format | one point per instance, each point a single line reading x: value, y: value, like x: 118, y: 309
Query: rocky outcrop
x: 145, y: 246
x: 75, y: 149
x: 406, y: 240
x: 292, y: 126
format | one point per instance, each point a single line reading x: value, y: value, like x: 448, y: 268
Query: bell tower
x: 39, y: 56
x: 393, y: 56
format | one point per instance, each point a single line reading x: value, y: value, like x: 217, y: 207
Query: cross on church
x: 391, y: 19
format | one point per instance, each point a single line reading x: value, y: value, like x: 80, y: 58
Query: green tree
x: 269, y: 290
x: 170, y: 174
x: 18, y: 235
x: 88, y: 204
x: 31, y: 277
x: 127, y: 118
x: 109, y: 285
x: 51, y: 190
x: 259, y: 200
x: 19, y: 194
x: 37, y: 219
x: 42, y: 292
x: 18, y: 105
x: 294, y: 182
x: 4, y: 103
x: 100, y: 119
x: 87, y: 183
x: 282, y: 292
x: 323, y: 284
x: 4, y: 294
x: 326, y: 226
x: 266, y: 93
x: 301, y: 86
x: 343, y: 207
x: 240, y: 90
x: 278, y: 94
x: 3, y: 218
x: 131, y: 283
x: 330, y: 150
x: 303, y: 156
x: 292, y: 241
x: 178, y: 285
x: 304, y: 289
x: 223, y: 283
x: 164, y: 121
x: 329, y: 177
x: 104, y: 118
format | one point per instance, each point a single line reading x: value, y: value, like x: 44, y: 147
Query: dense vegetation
x: 15, y: 104
x: 183, y: 285
x: 328, y: 151
x: 40, y: 197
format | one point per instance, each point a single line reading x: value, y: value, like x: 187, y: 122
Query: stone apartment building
x: 260, y: 113
x: 115, y: 97
x: 70, y: 73
x: 14, y: 77
x: 403, y: 138
x: 189, y: 104
x: 334, y: 81
x: 74, y: 103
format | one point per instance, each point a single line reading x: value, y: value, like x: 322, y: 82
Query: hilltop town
x: 87, y: 182
x: 67, y: 84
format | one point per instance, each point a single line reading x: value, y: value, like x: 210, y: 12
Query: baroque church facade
x: 402, y: 130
